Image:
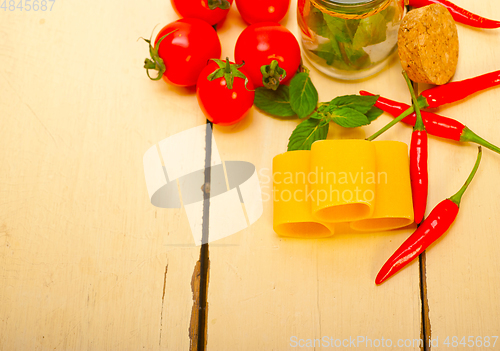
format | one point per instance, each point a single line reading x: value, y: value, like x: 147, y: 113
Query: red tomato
x: 261, y: 43
x: 221, y: 105
x: 254, y: 11
x: 201, y: 9
x: 185, y: 51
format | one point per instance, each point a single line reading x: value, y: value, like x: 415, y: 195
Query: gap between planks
x: 200, y: 278
x: 425, y: 328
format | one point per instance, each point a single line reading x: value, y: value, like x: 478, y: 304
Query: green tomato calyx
x: 272, y: 75
x: 228, y: 71
x: 155, y: 62
x: 221, y: 4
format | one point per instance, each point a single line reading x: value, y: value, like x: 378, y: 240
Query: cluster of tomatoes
x: 187, y: 53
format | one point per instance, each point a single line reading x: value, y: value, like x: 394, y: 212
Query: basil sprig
x: 301, y: 100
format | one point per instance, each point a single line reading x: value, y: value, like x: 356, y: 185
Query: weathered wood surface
x: 86, y: 262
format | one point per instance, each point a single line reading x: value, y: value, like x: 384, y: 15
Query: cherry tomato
x: 211, y: 11
x: 181, y: 50
x: 222, y: 103
x: 262, y: 43
x: 254, y: 11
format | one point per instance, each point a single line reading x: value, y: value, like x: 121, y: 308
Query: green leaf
x: 357, y: 102
x: 353, y: 55
x: 274, y: 102
x: 349, y: 118
x: 317, y: 115
x: 329, y: 51
x: 317, y: 23
x: 371, y: 31
x: 303, y: 95
x: 373, y: 113
x: 307, y: 133
x: 343, y: 30
x: 389, y: 14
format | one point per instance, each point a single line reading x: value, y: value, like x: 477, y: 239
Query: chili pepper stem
x: 458, y: 196
x: 469, y: 135
x: 419, y: 124
x: 422, y: 103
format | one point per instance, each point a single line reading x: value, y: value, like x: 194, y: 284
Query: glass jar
x: 349, y: 39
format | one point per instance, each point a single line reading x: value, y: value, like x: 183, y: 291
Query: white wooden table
x: 87, y: 263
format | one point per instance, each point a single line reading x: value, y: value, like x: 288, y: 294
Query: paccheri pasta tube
x: 341, y: 191
x: 393, y: 201
x: 292, y: 207
x: 365, y: 183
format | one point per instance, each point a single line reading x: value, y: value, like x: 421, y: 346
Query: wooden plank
x: 265, y: 290
x: 86, y: 261
x: 463, y: 269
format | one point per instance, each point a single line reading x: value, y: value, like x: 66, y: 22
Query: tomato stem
x: 155, y: 62
x: 228, y: 71
x: 272, y: 75
x: 221, y: 4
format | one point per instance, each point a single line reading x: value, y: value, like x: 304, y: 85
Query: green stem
x: 221, y: 4
x: 227, y: 68
x: 393, y: 122
x: 422, y: 103
x: 155, y: 62
x: 419, y: 123
x: 469, y: 135
x: 458, y: 196
x: 272, y: 75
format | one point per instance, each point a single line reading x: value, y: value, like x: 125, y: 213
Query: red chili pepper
x: 435, y: 225
x: 456, y: 91
x: 459, y: 14
x: 447, y: 94
x: 418, y: 161
x: 435, y: 124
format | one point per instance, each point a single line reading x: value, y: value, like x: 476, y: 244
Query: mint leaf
x: 353, y: 55
x: 329, y: 51
x: 274, y: 102
x: 373, y: 113
x: 303, y: 95
x: 307, y: 133
x: 343, y: 30
x: 317, y: 23
x: 349, y: 118
x: 371, y: 31
x: 389, y: 14
x: 357, y: 102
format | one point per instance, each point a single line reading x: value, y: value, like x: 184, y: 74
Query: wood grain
x: 463, y: 269
x: 265, y: 290
x: 83, y: 253
x: 86, y: 262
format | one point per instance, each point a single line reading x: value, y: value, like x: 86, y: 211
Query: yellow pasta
x: 292, y: 210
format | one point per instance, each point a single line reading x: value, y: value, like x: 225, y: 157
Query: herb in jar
x: 348, y: 42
